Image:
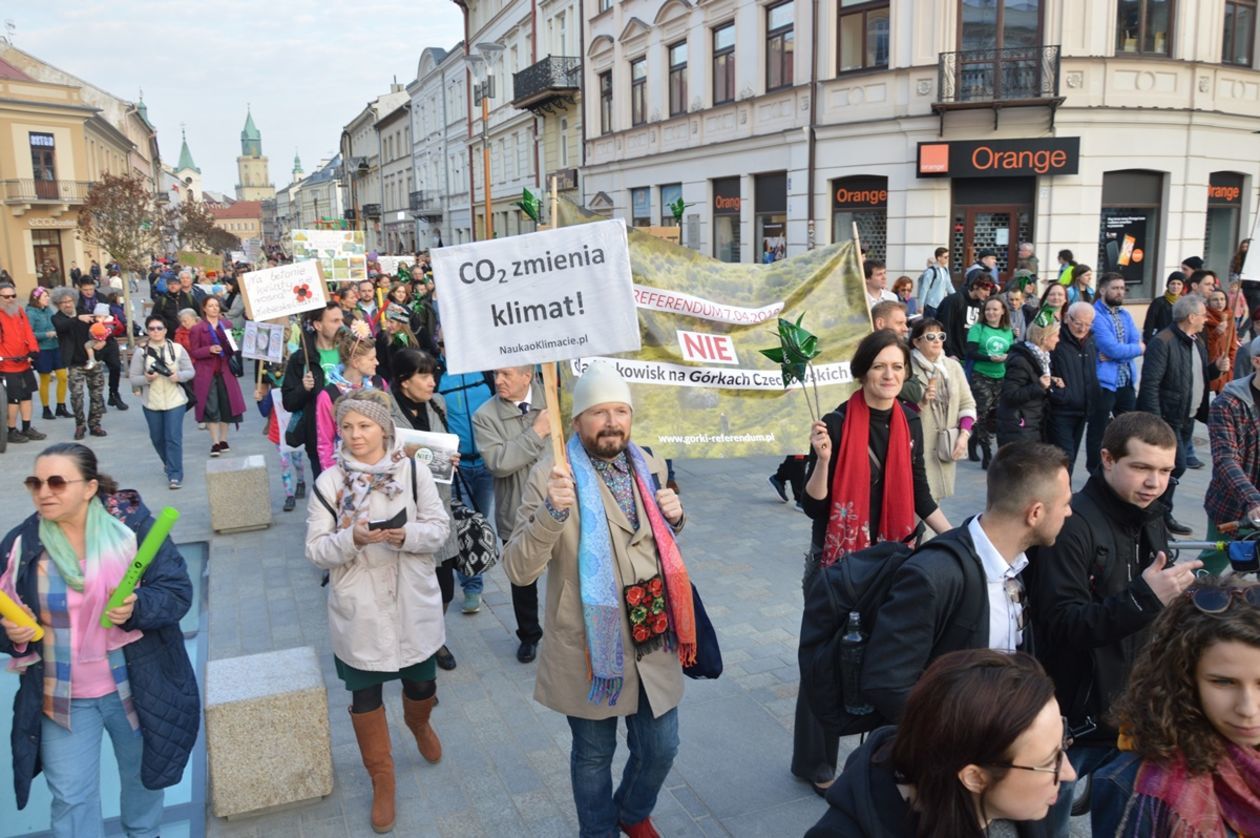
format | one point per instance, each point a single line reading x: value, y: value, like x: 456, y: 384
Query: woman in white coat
x: 946, y: 404
x: 374, y: 523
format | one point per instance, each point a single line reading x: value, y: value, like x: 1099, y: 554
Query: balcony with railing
x: 32, y: 191
x: 425, y: 203
x: 1015, y: 77
x: 542, y: 85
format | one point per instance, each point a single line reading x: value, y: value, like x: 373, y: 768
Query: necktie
x: 524, y: 406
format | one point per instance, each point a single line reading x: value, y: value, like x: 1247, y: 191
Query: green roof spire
x: 297, y: 162
x: 251, y: 137
x: 185, y: 156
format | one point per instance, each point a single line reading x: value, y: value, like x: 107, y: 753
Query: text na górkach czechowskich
x: 537, y: 297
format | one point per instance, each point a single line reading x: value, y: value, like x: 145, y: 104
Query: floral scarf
x: 1042, y: 356
x: 849, y: 522
x: 1202, y: 805
x: 361, y: 479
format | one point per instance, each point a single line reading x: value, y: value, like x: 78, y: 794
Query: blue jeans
x: 481, y: 482
x: 1085, y: 759
x: 166, y: 432
x: 72, y: 767
x: 653, y: 743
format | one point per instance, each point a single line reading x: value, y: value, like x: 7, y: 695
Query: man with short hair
x: 961, y: 310
x: 306, y: 375
x: 1234, y: 432
x: 1097, y: 589
x: 1027, y: 260
x: 876, y: 282
x: 890, y: 314
x: 619, y: 615
x: 189, y: 290
x: 87, y: 297
x: 1175, y: 378
x: 74, y: 335
x: 935, y: 283
x: 511, y: 431
x: 1202, y: 283
x: 17, y: 345
x: 1075, y: 361
x: 1118, y: 341
x: 940, y: 603
x: 986, y: 265
x: 1190, y: 264
x: 367, y: 302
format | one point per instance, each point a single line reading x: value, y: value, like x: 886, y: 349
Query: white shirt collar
x: 529, y: 398
x: 996, y: 567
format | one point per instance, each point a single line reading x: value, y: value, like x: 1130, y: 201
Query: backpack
x: 859, y: 582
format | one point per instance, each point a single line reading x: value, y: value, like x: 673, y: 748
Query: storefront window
x: 1220, y: 238
x: 771, y: 214
x: 670, y: 194
x: 641, y: 206
x: 863, y: 201
x: 726, y: 206
x: 1128, y: 236
x: 1143, y: 26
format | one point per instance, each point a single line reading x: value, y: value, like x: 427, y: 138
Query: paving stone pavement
x: 505, y: 765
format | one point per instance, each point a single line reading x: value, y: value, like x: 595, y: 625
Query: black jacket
x: 168, y: 306
x: 1091, y: 606
x: 1158, y: 318
x: 937, y: 604
x: 72, y: 335
x: 1021, y: 409
x: 957, y: 313
x: 1167, y: 377
x: 295, y: 397
x: 1076, y: 362
x: 864, y: 801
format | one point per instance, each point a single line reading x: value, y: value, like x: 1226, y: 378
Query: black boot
x: 973, y: 449
x: 48, y: 414
x: 62, y: 413
x: 987, y: 450
x: 116, y: 401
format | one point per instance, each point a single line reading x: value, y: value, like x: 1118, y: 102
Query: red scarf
x: 1203, y: 804
x: 849, y: 523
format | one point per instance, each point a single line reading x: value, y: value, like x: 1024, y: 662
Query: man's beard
x: 608, y: 444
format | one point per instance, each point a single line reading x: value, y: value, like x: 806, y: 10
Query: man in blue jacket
x: 1118, y: 341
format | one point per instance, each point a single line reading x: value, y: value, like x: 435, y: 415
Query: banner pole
x: 552, y: 394
x: 555, y: 202
x: 857, y: 243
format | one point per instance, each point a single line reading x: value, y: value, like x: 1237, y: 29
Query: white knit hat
x: 600, y: 383
x: 102, y: 310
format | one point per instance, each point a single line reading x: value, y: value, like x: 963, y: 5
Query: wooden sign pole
x: 551, y: 375
x: 857, y: 243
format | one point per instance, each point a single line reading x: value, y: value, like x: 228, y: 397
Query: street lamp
x: 478, y: 65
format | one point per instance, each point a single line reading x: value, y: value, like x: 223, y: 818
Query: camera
x: 160, y: 368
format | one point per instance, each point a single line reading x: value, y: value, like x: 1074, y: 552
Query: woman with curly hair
x: 1190, y: 721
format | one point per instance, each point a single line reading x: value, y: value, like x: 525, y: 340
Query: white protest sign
x: 288, y: 289
x: 1251, y: 262
x: 389, y: 264
x: 539, y: 297
x: 263, y: 342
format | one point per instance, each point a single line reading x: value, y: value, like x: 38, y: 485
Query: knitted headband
x: 375, y: 411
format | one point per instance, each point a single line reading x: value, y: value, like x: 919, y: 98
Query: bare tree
x: 121, y: 218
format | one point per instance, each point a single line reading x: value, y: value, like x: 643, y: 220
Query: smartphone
x: 392, y: 524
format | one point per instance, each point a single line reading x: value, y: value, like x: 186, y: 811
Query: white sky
x: 305, y: 68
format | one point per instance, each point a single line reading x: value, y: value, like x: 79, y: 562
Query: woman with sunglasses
x: 1190, y: 721
x: 80, y: 680
x: 947, y: 410
x: 981, y: 742
x: 159, y: 373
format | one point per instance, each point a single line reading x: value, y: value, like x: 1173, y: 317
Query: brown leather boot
x: 372, y: 731
x: 416, y: 714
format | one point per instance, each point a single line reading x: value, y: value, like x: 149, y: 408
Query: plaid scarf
x: 1189, y: 805
x: 601, y: 600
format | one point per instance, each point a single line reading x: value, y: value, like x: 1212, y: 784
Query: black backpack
x: 859, y: 582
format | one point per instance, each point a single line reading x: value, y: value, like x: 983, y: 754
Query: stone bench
x: 240, y: 498
x: 268, y: 743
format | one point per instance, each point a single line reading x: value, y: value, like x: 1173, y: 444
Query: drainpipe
x: 582, y: 87
x: 812, y: 131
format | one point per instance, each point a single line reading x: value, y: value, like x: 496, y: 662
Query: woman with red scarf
x: 873, y: 489
x: 1221, y: 333
x: 1190, y: 721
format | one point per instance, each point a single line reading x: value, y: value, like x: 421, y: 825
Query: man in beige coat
x: 511, y: 430
x: 628, y: 664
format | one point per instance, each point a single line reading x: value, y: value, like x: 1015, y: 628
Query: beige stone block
x: 239, y: 497
x: 268, y: 742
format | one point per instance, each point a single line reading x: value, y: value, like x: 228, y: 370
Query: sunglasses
x: 1059, y: 757
x: 1219, y: 600
x: 934, y: 337
x: 156, y: 328
x: 56, y: 484
x: 8, y: 296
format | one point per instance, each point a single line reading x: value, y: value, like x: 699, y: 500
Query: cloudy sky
x: 305, y: 68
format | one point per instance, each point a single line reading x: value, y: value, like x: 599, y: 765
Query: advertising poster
x: 341, y: 253
x: 1123, y: 245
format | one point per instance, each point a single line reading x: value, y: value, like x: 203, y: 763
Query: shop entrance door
x: 48, y: 262
x: 996, y: 228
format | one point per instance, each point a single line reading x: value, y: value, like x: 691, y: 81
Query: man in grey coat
x: 511, y: 430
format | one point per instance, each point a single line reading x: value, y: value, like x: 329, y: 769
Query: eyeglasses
x: 934, y: 337
x: 56, y: 484
x: 1015, y: 595
x: 8, y: 296
x: 1058, y: 758
x: 1219, y: 600
x: 156, y: 328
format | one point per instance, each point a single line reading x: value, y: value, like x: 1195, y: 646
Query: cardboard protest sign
x: 288, y: 289
x: 340, y: 252
x: 538, y: 297
x: 263, y: 342
x: 389, y: 264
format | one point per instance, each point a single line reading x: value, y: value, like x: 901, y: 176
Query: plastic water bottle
x: 852, y: 648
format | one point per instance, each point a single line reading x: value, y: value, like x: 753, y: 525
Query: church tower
x: 187, y: 172
x: 254, y: 181
x: 298, y: 174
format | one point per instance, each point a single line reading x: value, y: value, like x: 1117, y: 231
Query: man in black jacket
x: 1096, y: 591
x: 1175, y: 377
x: 960, y: 310
x: 1075, y: 362
x: 939, y: 603
x: 304, y: 380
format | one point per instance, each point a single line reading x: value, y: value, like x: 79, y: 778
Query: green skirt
x: 362, y: 679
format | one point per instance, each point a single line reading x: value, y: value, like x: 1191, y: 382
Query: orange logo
x: 934, y: 159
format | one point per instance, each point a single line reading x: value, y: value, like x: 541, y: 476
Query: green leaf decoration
x: 1044, y: 317
x: 797, y: 347
x: 678, y: 207
x: 528, y: 204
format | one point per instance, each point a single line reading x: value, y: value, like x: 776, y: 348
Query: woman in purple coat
x: 219, y: 399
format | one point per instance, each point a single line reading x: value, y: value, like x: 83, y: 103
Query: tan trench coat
x: 539, y: 542
x: 509, y: 447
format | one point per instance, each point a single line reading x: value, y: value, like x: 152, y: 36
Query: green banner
x: 701, y: 387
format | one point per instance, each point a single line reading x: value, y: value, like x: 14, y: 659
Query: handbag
x: 946, y: 437
x: 708, y: 654
x: 478, y: 545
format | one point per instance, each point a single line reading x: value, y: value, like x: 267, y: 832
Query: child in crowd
x: 101, y: 329
x: 292, y: 462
